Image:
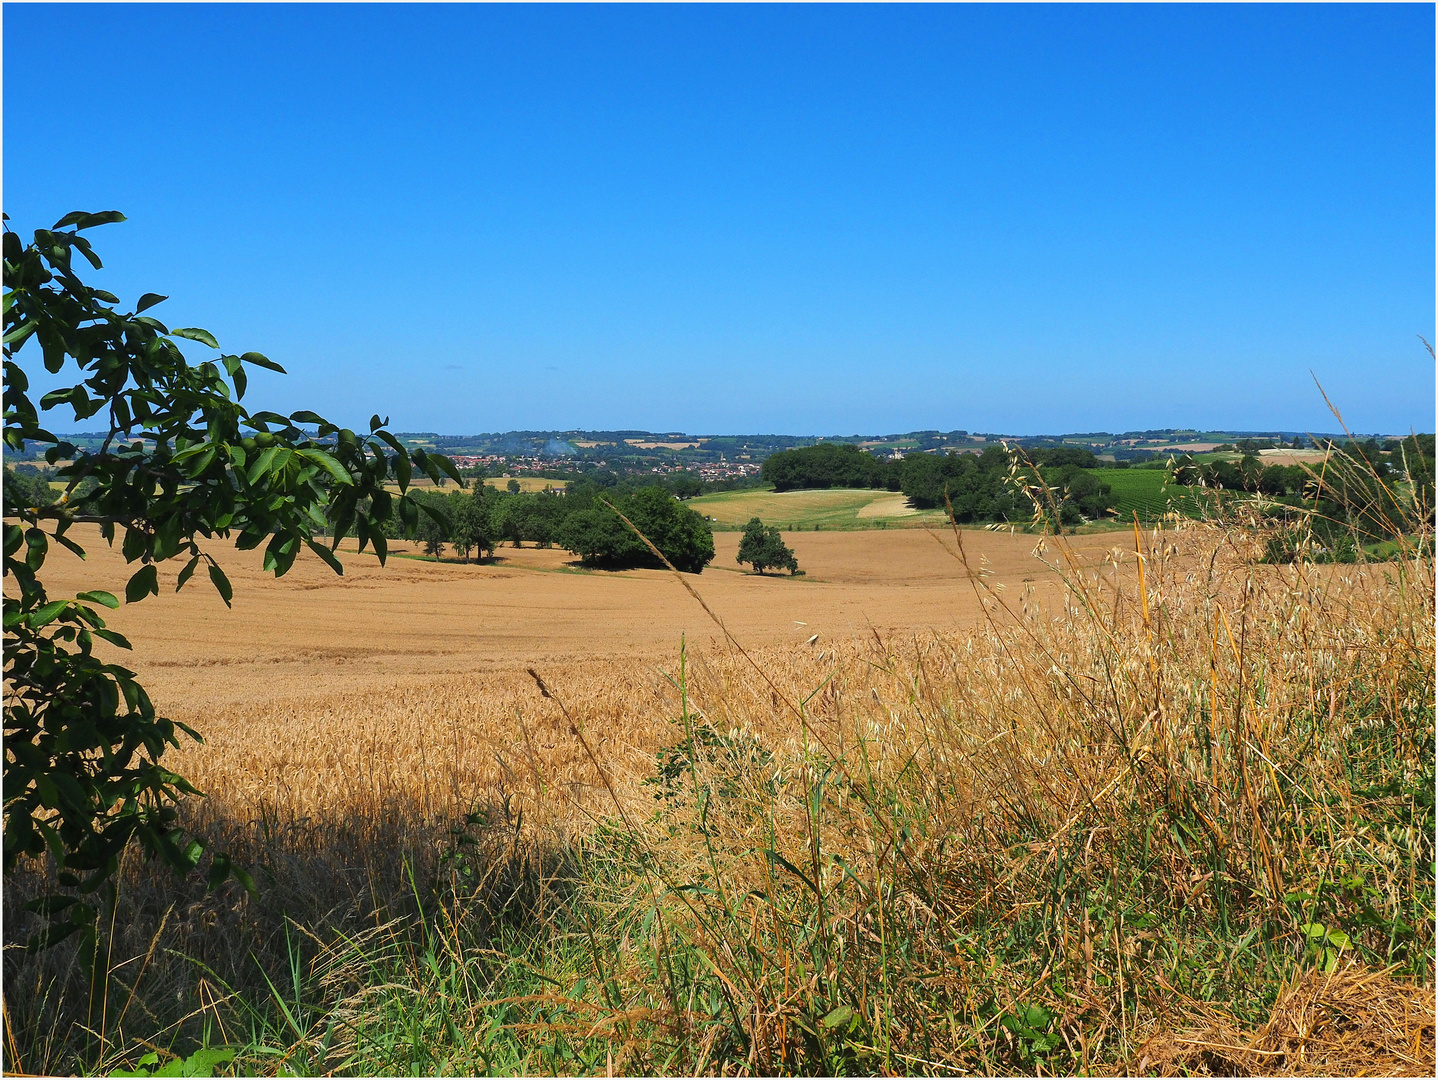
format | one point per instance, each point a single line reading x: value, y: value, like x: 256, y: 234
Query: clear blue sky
x: 791, y: 219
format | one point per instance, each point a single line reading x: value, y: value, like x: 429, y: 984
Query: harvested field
x: 312, y: 633
x: 895, y: 506
x: 1293, y: 457
x: 1081, y: 812
x: 526, y: 483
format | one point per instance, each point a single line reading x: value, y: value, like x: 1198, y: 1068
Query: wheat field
x: 1000, y: 804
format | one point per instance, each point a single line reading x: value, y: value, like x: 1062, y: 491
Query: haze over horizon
x: 1028, y: 220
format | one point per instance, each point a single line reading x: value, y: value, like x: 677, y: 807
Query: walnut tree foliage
x: 184, y: 467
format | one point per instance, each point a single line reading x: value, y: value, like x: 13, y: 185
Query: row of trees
x: 846, y: 465
x: 828, y: 465
x: 995, y: 485
x: 585, y: 521
x: 1361, y: 494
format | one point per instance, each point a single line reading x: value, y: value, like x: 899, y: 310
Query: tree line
x: 994, y: 485
x: 583, y: 519
x: 1365, y: 492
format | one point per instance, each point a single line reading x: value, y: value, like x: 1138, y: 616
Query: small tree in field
x: 765, y: 549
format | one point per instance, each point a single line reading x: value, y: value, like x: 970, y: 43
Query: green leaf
x: 144, y: 582
x: 787, y: 865
x: 47, y: 614
x: 243, y: 877
x: 219, y: 870
x: 98, y: 596
x: 838, y: 1017
x: 39, y: 544
x: 142, y: 1067
x: 261, y: 464
x: 167, y: 538
x: 1036, y: 1016
x: 186, y: 572
x: 83, y: 220
x: 113, y: 638
x: 194, y: 333
x: 21, y: 332
x: 221, y: 583
x: 261, y: 360
x: 324, y: 553
x: 446, y: 466
x: 149, y: 300
x: 329, y: 464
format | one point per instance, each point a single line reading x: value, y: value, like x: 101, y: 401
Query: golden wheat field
x: 415, y: 620
x: 319, y: 690
x: 902, y: 740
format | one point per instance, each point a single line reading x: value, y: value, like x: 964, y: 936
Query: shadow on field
x: 187, y: 964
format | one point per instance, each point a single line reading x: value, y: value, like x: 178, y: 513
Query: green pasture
x: 1147, y: 492
x: 830, y: 508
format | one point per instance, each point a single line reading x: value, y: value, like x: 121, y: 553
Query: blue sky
x: 802, y: 219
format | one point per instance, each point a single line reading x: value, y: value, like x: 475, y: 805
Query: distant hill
x: 678, y: 446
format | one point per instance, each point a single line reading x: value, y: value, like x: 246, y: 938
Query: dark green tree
x: 470, y: 528
x: 432, y: 530
x: 977, y: 486
x: 25, y: 490
x: 827, y: 465
x: 598, y: 536
x: 685, y: 484
x: 764, y: 549
x: 184, y: 466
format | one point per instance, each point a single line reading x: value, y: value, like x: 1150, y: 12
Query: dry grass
x: 1097, y: 820
x: 1351, y: 1022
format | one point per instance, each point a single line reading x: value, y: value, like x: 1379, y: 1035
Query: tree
x: 469, y: 526
x: 26, y: 490
x: 432, y: 532
x: 598, y: 536
x: 764, y: 549
x: 976, y: 486
x: 827, y: 465
x: 183, y: 462
x: 685, y: 484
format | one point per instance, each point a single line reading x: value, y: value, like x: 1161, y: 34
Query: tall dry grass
x: 1126, y: 834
